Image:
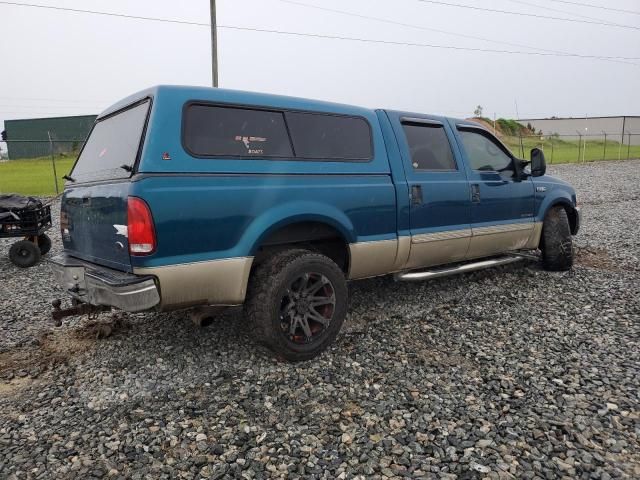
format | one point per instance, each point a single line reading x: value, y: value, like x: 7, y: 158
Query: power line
x: 402, y: 24
x: 426, y: 45
x: 591, y: 5
x: 523, y: 14
x: 409, y: 25
x: 542, y: 7
x: 64, y: 107
x: 67, y: 100
x: 332, y: 37
x: 41, y: 113
x: 108, y: 14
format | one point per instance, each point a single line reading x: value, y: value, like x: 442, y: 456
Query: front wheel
x: 557, y: 243
x: 297, y: 303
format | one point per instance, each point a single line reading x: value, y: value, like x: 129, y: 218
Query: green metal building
x: 29, y: 138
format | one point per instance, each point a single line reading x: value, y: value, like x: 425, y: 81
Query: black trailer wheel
x: 44, y: 243
x: 297, y: 303
x: 557, y: 243
x: 24, y: 254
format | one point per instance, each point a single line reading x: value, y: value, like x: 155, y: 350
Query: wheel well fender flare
x: 301, y: 212
x: 572, y: 213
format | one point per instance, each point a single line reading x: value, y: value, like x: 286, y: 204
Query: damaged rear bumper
x: 97, y: 285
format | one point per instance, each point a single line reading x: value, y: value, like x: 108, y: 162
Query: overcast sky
x: 55, y: 63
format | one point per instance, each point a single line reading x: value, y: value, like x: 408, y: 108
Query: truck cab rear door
x: 440, y: 205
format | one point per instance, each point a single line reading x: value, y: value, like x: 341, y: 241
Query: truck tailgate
x: 93, y: 223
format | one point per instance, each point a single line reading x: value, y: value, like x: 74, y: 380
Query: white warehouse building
x: 620, y: 129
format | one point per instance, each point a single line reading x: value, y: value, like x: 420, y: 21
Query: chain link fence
x: 577, y: 148
x: 36, y: 167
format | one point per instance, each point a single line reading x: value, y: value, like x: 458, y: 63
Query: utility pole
x: 214, y: 45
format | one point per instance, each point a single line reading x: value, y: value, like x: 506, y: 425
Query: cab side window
x: 484, y: 154
x: 429, y: 147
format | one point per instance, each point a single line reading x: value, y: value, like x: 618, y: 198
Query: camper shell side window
x: 226, y: 131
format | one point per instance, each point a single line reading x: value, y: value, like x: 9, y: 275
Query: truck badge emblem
x: 121, y: 230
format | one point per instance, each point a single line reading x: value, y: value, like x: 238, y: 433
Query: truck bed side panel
x: 209, y: 217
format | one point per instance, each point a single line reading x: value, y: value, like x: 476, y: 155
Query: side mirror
x: 538, y: 163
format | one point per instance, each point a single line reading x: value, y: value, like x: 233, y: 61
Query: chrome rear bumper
x: 97, y: 285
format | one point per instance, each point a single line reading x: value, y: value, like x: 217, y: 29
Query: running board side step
x: 467, y: 267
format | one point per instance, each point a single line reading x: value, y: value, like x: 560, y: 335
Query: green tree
x: 478, y: 111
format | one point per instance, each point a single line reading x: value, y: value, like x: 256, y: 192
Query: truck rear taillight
x: 140, y: 229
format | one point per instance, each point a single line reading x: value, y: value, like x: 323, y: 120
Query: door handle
x: 416, y: 195
x: 475, y: 193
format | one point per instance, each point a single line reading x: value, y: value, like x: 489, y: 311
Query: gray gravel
x: 508, y: 373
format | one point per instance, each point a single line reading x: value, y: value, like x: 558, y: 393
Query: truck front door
x: 502, y: 205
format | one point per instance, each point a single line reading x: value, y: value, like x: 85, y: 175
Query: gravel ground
x: 506, y: 373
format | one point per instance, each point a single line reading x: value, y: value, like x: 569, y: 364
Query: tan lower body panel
x: 487, y: 241
x: 534, y: 238
x: 224, y: 282
x: 214, y: 282
x: 438, y: 248
x: 369, y: 259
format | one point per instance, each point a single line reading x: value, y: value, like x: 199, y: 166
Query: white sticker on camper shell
x: 122, y: 230
x: 247, y: 143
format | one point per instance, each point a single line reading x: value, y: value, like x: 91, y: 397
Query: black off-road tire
x: 557, y: 243
x: 44, y: 243
x: 269, y: 284
x: 24, y: 254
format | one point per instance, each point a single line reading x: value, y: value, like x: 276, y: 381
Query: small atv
x: 28, y: 218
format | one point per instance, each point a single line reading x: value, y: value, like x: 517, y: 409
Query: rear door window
x: 331, y: 137
x: 112, y: 144
x: 429, y: 147
x: 212, y: 131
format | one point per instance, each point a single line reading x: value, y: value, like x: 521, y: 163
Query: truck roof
x: 183, y: 94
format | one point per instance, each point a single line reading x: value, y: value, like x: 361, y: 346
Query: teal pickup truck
x: 186, y: 197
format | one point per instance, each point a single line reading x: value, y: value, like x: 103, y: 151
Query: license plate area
x: 73, y: 280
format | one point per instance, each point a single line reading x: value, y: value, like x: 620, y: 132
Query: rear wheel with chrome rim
x: 296, y: 303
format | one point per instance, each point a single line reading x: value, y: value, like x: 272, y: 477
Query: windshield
x: 113, y: 143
